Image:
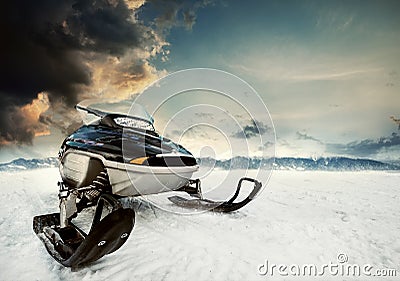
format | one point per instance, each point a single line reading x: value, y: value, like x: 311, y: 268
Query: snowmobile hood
x: 125, y: 145
x: 126, y: 138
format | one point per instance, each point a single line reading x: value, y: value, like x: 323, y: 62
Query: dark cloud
x: 366, y: 147
x: 189, y: 18
x: 304, y: 136
x: 175, y: 13
x: 395, y: 120
x: 12, y: 129
x: 20, y: 124
x: 64, y: 119
x: 45, y: 44
x: 73, y: 49
x: 168, y: 15
x: 256, y: 128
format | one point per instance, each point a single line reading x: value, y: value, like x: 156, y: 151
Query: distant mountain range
x: 282, y: 163
x: 309, y: 164
x: 28, y: 164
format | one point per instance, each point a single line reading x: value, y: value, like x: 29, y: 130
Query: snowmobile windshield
x: 125, y: 113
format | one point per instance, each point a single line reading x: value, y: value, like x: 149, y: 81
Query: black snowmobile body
x: 108, y: 140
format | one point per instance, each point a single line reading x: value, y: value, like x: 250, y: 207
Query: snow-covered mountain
x: 28, y: 164
x: 283, y: 163
x: 290, y: 163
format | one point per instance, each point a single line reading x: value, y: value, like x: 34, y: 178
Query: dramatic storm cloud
x: 70, y: 50
x: 46, y: 43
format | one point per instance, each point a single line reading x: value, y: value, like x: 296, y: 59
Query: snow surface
x: 300, y: 218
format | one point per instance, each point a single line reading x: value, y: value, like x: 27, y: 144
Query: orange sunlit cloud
x: 31, y: 113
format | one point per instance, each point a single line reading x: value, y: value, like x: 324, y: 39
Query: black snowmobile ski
x: 215, y: 206
x: 72, y: 247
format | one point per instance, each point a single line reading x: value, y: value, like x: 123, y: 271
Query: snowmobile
x: 116, y: 156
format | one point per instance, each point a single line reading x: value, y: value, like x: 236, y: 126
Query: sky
x: 328, y: 71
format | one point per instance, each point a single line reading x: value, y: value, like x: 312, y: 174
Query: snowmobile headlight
x: 133, y: 123
x: 139, y: 160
